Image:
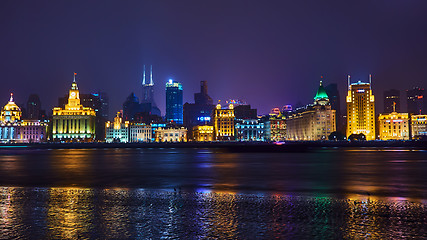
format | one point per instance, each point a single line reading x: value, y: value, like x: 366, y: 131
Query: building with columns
x: 74, y: 122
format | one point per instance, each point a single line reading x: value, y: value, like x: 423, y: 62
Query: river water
x: 212, y: 193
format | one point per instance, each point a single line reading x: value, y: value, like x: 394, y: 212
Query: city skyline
x: 286, y: 48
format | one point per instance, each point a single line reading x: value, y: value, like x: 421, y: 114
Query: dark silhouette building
x: 34, y: 111
x: 391, y: 101
x: 335, y: 101
x: 199, y: 112
x: 245, y: 112
x: 131, y: 107
x: 415, y: 100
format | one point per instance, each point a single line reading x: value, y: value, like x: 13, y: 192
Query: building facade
x: 171, y: 134
x: 277, y: 128
x: 203, y: 133
x: 223, y: 123
x: 419, y: 126
x: 361, y: 109
x: 13, y: 129
x: 174, y: 107
x: 199, y: 112
x: 251, y: 130
x: 394, y: 126
x: 74, y: 122
x: 313, y: 122
x: 117, y: 131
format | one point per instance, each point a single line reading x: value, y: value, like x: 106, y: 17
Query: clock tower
x: 73, y: 97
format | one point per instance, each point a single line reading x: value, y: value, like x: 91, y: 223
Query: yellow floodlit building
x: 394, y: 126
x: 203, y: 133
x: 223, y: 123
x: 361, y: 109
x: 73, y: 122
x: 314, y: 122
x: 10, y: 112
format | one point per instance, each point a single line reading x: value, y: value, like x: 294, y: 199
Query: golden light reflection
x: 70, y: 213
x: 219, y: 210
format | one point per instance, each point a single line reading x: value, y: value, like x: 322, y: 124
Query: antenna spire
x: 11, y: 97
x: 143, y: 76
x: 75, y: 74
x: 348, y: 81
x: 370, y: 81
x: 151, y: 75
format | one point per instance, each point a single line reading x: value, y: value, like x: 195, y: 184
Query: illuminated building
x: 361, y: 109
x: 154, y: 127
x: 277, y: 127
x: 199, y: 112
x: 15, y: 129
x: 148, y: 102
x: 223, y: 123
x: 118, y: 131
x: 391, y: 101
x: 174, y: 108
x: 74, y: 122
x: 394, y: 126
x: 415, y: 100
x: 313, y: 122
x: 10, y: 112
x: 139, y: 132
x: 419, y: 126
x: 251, y: 130
x: 99, y: 103
x: 125, y: 132
x: 171, y: 134
x: 203, y: 133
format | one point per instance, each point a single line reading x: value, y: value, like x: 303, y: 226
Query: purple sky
x: 268, y: 53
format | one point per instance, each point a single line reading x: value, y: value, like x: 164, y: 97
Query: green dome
x: 321, y: 93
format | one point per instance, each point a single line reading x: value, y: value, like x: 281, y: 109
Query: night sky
x: 267, y: 53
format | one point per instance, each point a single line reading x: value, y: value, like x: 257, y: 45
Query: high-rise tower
x: 147, y: 100
x: 361, y: 109
x: 174, y: 108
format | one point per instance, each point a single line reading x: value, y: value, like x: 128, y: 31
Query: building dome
x: 11, y: 112
x: 321, y: 97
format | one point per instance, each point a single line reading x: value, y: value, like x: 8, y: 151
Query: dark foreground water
x: 208, y: 193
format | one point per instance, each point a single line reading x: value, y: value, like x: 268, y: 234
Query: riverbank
x: 290, y: 146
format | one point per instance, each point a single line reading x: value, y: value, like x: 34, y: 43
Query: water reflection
x: 81, y: 213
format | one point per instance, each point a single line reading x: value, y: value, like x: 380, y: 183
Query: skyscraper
x: 415, y: 100
x: 361, y: 109
x: 147, y: 101
x: 391, y: 101
x: 174, y: 108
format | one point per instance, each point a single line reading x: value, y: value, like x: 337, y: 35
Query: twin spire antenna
x: 151, y: 76
x: 370, y: 81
